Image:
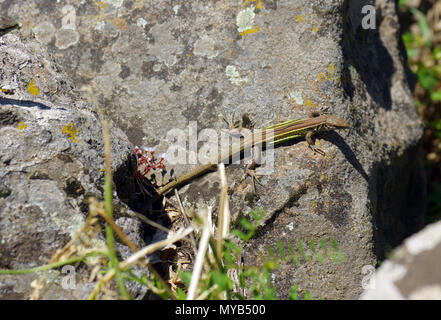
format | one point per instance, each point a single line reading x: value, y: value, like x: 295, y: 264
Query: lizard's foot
x: 254, y: 178
x: 312, y: 145
x: 317, y: 149
x: 232, y: 124
x: 321, y: 111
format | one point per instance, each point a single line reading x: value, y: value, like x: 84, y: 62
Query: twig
x: 137, y: 256
x: 118, y: 231
x: 224, y: 213
x: 192, y: 239
x: 152, y: 223
x: 51, y: 265
x: 203, y: 245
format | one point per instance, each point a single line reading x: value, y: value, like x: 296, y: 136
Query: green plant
x: 255, y: 281
x: 217, y: 273
x: 422, y: 40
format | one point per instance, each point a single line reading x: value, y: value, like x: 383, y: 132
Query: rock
x: 412, y: 272
x: 51, y: 162
x: 158, y: 67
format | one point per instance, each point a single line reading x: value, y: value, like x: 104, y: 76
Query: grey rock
x: 51, y: 162
x: 412, y: 272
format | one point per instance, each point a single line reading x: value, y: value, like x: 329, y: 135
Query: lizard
x: 277, y: 133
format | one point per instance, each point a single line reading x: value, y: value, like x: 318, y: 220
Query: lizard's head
x: 336, y: 122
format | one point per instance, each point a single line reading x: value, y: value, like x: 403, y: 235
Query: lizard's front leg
x: 256, y: 157
x: 311, y: 144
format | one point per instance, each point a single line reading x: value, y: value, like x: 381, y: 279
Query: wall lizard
x: 278, y: 133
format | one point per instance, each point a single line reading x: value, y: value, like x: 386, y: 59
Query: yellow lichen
x: 32, y: 88
x: 299, y: 18
x: 120, y: 23
x: 315, y: 29
x: 22, y: 125
x: 331, y: 71
x: 249, y: 31
x: 70, y: 130
x: 99, y: 4
x: 309, y: 103
x: 259, y: 4
x: 320, y: 77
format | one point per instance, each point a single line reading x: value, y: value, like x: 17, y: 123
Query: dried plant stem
x: 137, y: 256
x: 109, y: 208
x: 206, y: 293
x: 51, y: 265
x: 187, y: 223
x: 224, y: 213
x: 203, y: 245
x: 118, y: 231
x: 152, y: 223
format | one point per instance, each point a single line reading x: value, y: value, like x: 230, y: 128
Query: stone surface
x: 51, y: 162
x: 412, y: 272
x: 158, y: 65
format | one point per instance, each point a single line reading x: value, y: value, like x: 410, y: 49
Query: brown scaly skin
x: 281, y: 132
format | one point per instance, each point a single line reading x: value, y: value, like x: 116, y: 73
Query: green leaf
x: 246, y: 224
x: 407, y: 38
x: 422, y: 22
x: 293, y: 294
x: 281, y: 249
x: 412, y: 52
x: 271, y: 252
x: 239, y: 234
x: 307, y: 295
x: 228, y: 257
x: 335, y: 244
x: 181, y: 294
x: 332, y: 257
x: 222, y: 280
x: 269, y: 294
x: 427, y: 78
x: 293, y: 255
x: 186, y: 277
x: 270, y: 264
x: 242, y: 280
x: 312, y: 246
x: 320, y: 257
x: 437, y: 53
x: 302, y: 251
x: 231, y: 246
x: 323, y: 245
x: 436, y: 95
x: 341, y: 255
